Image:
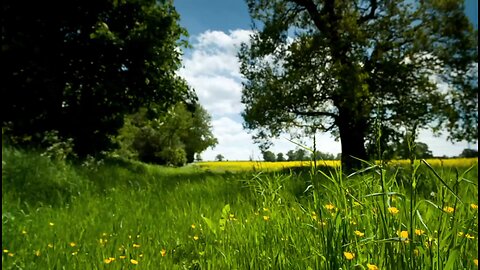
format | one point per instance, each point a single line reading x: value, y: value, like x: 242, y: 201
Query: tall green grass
x: 57, y: 215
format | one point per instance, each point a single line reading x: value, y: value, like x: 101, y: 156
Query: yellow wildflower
x: 122, y: 257
x: 393, y: 210
x: 72, y: 244
x: 193, y: 226
x: 460, y: 234
x: 416, y: 252
x: 141, y: 255
x: 134, y: 261
x: 51, y: 223
x: 265, y: 209
x: 475, y: 261
x: 108, y: 260
x: 37, y: 253
x: 359, y: 233
x: 24, y: 232
x: 349, y: 255
x: 403, y: 235
x: 5, y: 250
x: 195, y: 237
x: 469, y: 236
x: 266, y: 218
x: 372, y: 267
x: 163, y: 252
x: 449, y: 209
x: 419, y: 232
x: 10, y: 254
x: 330, y: 206
x: 474, y: 206
x: 136, y: 245
x: 50, y: 245
x: 74, y: 253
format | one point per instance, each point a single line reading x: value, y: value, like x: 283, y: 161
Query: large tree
x: 79, y: 66
x: 362, y: 69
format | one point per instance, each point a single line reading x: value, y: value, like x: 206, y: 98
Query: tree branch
x: 313, y: 113
x: 371, y: 15
x: 315, y: 15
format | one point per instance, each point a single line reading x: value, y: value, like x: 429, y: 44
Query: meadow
x: 116, y: 214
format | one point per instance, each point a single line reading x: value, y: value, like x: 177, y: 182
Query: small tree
x: 280, y: 157
x: 219, y: 157
x: 469, y: 153
x: 291, y: 155
x: 268, y: 156
x: 300, y: 154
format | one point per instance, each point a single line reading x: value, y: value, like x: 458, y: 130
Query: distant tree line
x: 399, y: 151
x: 298, y: 155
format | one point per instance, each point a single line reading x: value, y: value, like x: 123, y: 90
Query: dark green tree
x: 469, y: 153
x: 268, y: 156
x: 219, y: 157
x: 355, y: 67
x: 79, y: 66
x: 291, y: 155
x: 280, y: 157
x: 198, y: 136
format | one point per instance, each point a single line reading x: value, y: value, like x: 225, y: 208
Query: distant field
x: 274, y: 166
x: 128, y: 215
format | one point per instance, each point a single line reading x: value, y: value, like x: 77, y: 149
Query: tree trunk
x: 352, y: 136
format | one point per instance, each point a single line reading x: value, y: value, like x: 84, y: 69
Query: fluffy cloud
x: 212, y: 69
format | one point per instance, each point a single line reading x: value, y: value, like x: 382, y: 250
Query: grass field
x: 127, y: 215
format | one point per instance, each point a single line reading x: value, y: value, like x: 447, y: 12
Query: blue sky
x: 216, y: 28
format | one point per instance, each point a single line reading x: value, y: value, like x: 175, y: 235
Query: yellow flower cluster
x: 393, y: 210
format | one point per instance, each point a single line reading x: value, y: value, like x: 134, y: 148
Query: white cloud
x: 212, y: 69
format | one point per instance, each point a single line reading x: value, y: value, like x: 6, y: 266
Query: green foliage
x: 322, y: 156
x: 469, y: 153
x: 174, y: 137
x: 219, y: 157
x: 268, y: 156
x: 37, y: 180
x: 299, y: 154
x: 78, y: 67
x: 347, y: 67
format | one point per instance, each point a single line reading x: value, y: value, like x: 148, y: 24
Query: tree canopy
x: 366, y: 70
x: 79, y: 66
x: 172, y: 137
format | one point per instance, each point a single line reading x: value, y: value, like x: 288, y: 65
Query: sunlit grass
x: 129, y: 215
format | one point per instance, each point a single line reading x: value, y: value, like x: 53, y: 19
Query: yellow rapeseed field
x: 234, y: 166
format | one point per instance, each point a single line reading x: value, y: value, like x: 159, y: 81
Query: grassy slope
x: 56, y: 215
